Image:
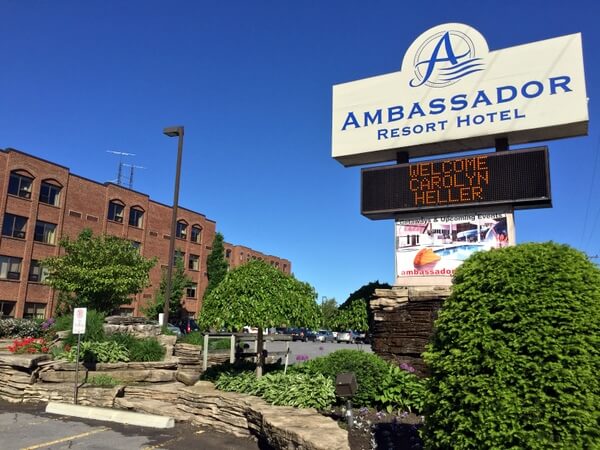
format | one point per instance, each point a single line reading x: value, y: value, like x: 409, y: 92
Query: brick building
x: 236, y: 255
x: 42, y: 202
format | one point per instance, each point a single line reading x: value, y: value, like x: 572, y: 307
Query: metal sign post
x: 79, y: 318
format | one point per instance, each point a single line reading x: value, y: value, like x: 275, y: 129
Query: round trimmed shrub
x: 370, y: 371
x: 515, y: 359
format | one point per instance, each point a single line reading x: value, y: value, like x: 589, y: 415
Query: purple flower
x: 363, y: 410
x: 407, y: 367
x: 301, y: 357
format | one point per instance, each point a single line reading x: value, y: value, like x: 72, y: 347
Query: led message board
x: 517, y: 177
x: 454, y: 94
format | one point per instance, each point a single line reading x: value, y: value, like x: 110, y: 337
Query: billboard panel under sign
x: 453, y: 94
x: 437, y: 246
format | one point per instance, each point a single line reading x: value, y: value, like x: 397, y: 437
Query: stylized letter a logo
x: 450, y: 69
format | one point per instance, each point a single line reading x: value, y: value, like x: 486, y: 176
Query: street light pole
x: 172, y: 132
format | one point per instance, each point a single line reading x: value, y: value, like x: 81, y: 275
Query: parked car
x: 187, y: 325
x: 349, y: 337
x: 325, y: 336
x: 174, y: 329
x: 362, y: 337
x: 303, y: 334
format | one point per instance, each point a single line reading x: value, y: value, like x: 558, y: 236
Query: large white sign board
x: 453, y: 94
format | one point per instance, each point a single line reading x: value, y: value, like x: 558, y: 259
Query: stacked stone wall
x: 402, y: 322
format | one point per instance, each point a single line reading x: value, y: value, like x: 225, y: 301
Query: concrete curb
x: 111, y: 415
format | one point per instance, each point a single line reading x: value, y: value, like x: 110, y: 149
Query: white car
x: 324, y: 336
x: 349, y: 337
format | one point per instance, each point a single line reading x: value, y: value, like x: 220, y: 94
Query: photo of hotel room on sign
x: 436, y: 247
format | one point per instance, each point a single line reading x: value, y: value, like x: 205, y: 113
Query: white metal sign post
x: 79, y: 318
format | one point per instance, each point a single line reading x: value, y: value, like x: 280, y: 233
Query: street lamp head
x: 174, y: 131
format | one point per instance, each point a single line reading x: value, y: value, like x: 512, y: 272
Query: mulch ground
x: 378, y: 430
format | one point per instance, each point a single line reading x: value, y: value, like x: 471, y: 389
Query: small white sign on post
x: 79, y: 316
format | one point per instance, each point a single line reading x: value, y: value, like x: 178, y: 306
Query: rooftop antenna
x: 131, y: 169
x: 121, y: 154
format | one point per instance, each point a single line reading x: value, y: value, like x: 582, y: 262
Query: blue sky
x: 251, y: 82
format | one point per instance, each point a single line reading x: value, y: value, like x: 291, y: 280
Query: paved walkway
x: 28, y: 427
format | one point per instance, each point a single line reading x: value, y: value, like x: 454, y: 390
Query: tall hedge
x: 515, y: 360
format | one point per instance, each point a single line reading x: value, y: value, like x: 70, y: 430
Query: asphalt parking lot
x: 29, y: 427
x: 313, y: 349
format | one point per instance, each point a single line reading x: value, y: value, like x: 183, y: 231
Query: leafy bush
x: 219, y: 344
x: 242, y: 382
x: 103, y: 381
x: 516, y: 354
x: 369, y: 369
x: 94, y: 330
x: 194, y: 338
x: 292, y: 389
x: 20, y: 328
x: 401, y: 390
x: 98, y: 352
x: 146, y: 349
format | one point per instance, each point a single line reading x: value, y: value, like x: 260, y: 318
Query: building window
x: 115, y: 211
x: 137, y: 245
x: 44, y: 232
x: 194, y: 262
x: 181, y: 230
x: 7, y: 308
x: 34, y: 311
x: 135, y: 217
x: 49, y: 194
x: 228, y: 253
x: 37, y: 272
x: 178, y: 255
x: 190, y: 291
x: 14, y: 226
x: 10, y: 268
x: 20, y: 185
x: 196, y: 234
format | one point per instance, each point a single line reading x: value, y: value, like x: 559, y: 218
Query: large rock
x: 26, y: 361
x: 245, y: 415
x: 64, y: 393
x: 402, y: 322
x: 124, y: 376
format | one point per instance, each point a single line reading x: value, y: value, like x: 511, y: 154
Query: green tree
x: 329, y: 311
x: 101, y: 271
x: 216, y: 264
x: 258, y: 295
x: 179, y: 283
x: 353, y: 314
x: 516, y: 354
